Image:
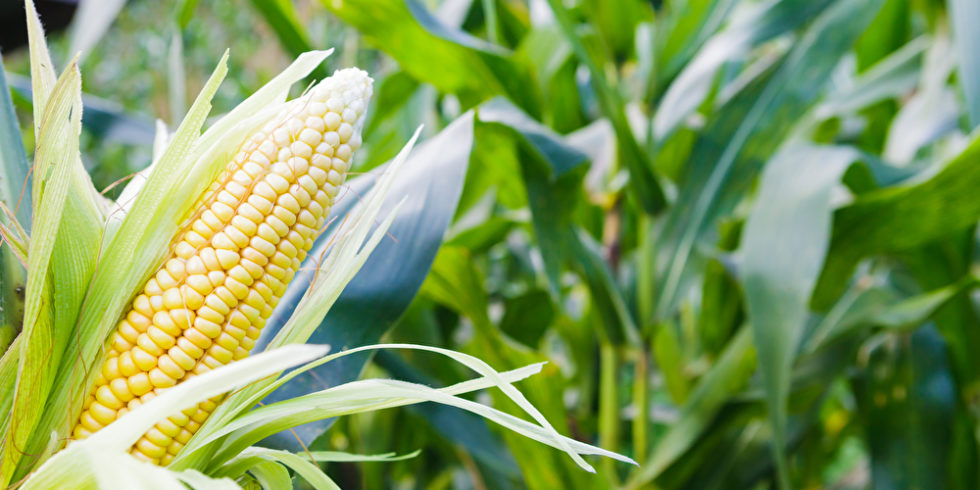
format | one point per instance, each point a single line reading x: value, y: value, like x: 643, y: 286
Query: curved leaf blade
x: 783, y: 248
x: 428, y: 49
x: 430, y: 185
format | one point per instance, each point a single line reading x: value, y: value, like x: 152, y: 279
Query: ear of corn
x: 207, y: 304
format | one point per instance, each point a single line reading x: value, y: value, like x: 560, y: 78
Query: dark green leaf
x: 552, y: 172
x: 908, y: 397
x: 645, y: 188
x: 527, y: 317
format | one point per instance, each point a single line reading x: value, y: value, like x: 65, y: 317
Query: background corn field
x: 742, y: 233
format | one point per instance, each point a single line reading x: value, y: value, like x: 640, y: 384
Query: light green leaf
x: 781, y: 254
x: 270, y: 474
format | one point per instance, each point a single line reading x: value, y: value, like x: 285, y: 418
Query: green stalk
x: 641, y: 402
x: 645, y: 280
x: 608, y: 406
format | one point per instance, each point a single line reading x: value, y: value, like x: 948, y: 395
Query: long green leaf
x: 783, y: 247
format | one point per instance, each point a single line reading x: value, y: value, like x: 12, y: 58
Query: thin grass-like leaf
x: 370, y: 395
x: 124, y: 432
x: 336, y: 456
x: 213, y: 432
x: 303, y: 467
x: 11, y: 241
x: 76, y: 461
x: 376, y: 394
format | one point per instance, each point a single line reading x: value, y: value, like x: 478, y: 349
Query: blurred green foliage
x: 742, y: 232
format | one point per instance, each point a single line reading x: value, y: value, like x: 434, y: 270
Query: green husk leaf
x: 57, y: 149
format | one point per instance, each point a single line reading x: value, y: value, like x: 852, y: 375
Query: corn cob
x: 228, y: 269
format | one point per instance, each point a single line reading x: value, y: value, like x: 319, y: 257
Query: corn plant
x: 130, y: 363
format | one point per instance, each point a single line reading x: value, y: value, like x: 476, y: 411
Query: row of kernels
x: 239, y: 334
x: 170, y: 367
x: 134, y: 370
